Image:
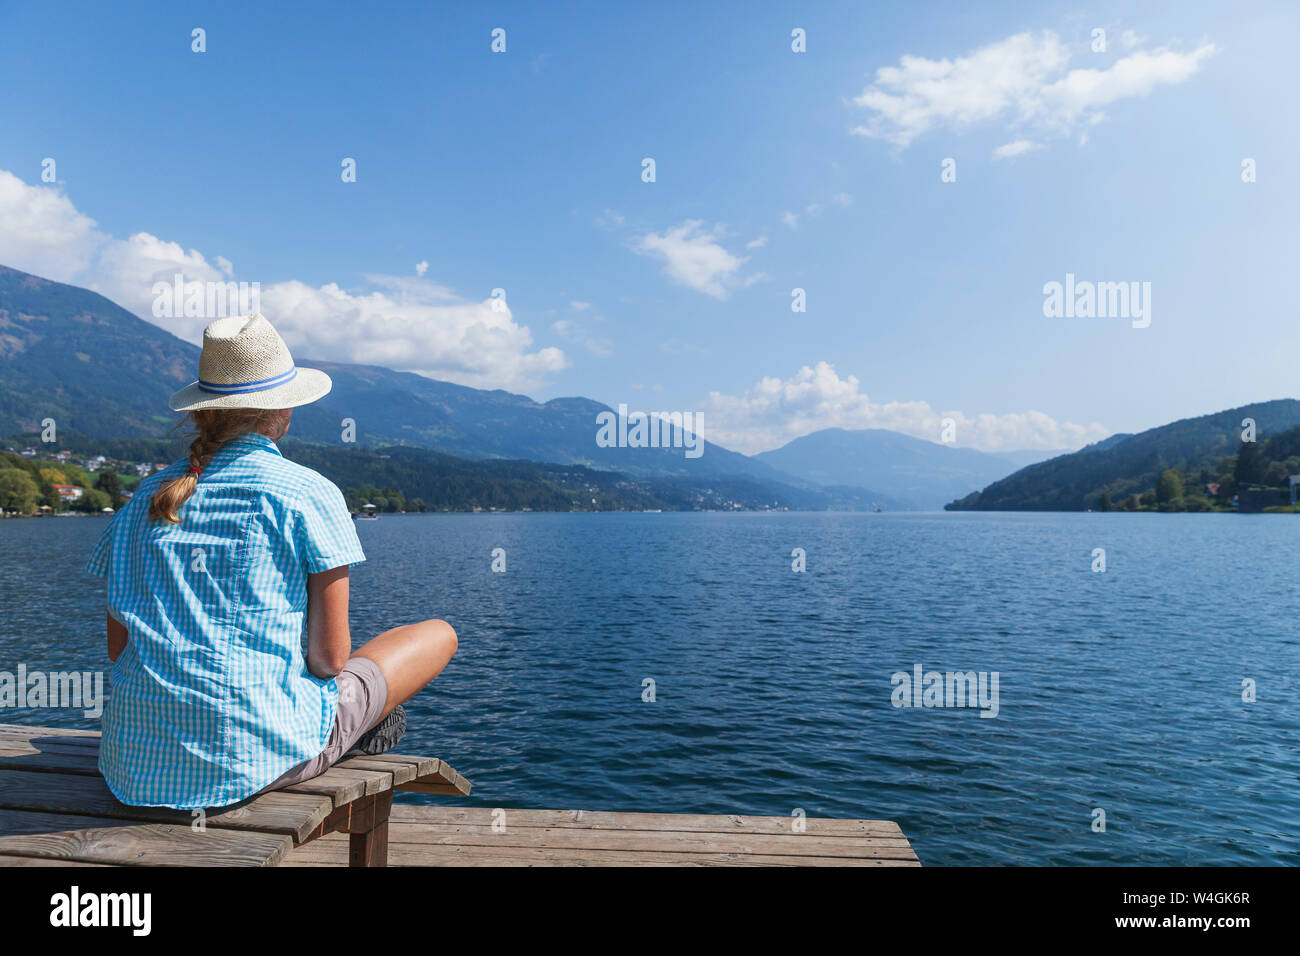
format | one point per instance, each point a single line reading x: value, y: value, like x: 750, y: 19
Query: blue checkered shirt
x: 212, y: 699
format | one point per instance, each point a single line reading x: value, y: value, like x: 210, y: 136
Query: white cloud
x: 758, y: 243
x: 775, y: 411
x: 580, y: 306
x: 598, y: 346
x: 464, y: 341
x: 1008, y: 150
x: 695, y: 258
x: 421, y: 268
x: 1022, y: 79
x: 39, y: 226
x: 790, y: 219
x: 405, y: 323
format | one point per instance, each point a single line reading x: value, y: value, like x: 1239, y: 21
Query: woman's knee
x: 442, y: 638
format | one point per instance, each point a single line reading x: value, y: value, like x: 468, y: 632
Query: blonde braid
x: 213, y: 427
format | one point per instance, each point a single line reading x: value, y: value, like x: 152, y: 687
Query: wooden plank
x: 373, y: 781
x: 48, y: 745
x: 440, y: 836
x: 20, y: 755
x: 341, y: 787
x: 332, y: 851
x: 41, y: 861
x: 443, y: 779
x: 57, y: 836
x: 24, y: 730
x: 704, y: 822
x: 295, y: 814
x: 402, y: 772
x: 652, y: 841
x: 422, y: 765
x: 22, y: 749
x: 64, y: 741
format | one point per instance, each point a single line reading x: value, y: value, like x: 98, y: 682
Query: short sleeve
x: 323, y: 531
x: 100, y: 554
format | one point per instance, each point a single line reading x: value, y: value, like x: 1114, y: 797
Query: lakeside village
x: 38, y: 481
x: 59, y: 482
x: 44, y: 483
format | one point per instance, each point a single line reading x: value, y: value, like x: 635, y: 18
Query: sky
x: 1113, y: 158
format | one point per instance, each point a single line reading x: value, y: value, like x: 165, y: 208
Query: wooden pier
x: 55, y: 809
x: 446, y: 836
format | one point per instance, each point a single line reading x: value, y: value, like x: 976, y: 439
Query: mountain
x: 443, y: 481
x: 1029, y: 456
x: 101, y: 372
x: 924, y: 473
x: 402, y: 407
x: 1125, y: 465
x: 98, y: 370
x: 74, y: 356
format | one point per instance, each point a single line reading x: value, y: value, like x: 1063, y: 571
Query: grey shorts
x: 363, y: 691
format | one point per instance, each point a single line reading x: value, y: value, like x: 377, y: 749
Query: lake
x: 1119, y: 691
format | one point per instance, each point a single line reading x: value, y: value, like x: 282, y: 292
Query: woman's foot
x: 381, y: 737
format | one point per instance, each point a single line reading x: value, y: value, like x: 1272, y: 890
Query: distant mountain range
x: 926, y: 474
x: 98, y: 370
x: 1125, y: 465
x: 101, y: 372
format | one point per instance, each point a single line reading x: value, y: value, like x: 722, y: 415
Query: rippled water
x: 1119, y: 690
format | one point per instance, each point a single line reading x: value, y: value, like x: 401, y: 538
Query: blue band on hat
x: 238, y: 388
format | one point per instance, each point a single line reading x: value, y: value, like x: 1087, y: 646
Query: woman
x: 213, y: 567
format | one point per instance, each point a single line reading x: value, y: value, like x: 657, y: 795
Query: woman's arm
x: 116, y: 637
x: 329, y: 642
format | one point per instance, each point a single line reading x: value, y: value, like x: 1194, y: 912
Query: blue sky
x: 522, y: 171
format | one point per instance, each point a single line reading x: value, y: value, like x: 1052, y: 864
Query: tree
x: 1103, y: 503
x: 1170, y: 486
x: 1275, y: 475
x: 92, y: 499
x: 18, y: 492
x: 111, y: 485
x: 1250, y: 464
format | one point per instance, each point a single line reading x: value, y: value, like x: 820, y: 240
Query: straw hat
x: 245, y: 364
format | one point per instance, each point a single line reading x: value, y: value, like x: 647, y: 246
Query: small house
x: 68, y: 493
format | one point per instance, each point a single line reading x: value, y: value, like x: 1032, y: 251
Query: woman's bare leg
x: 410, y: 656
